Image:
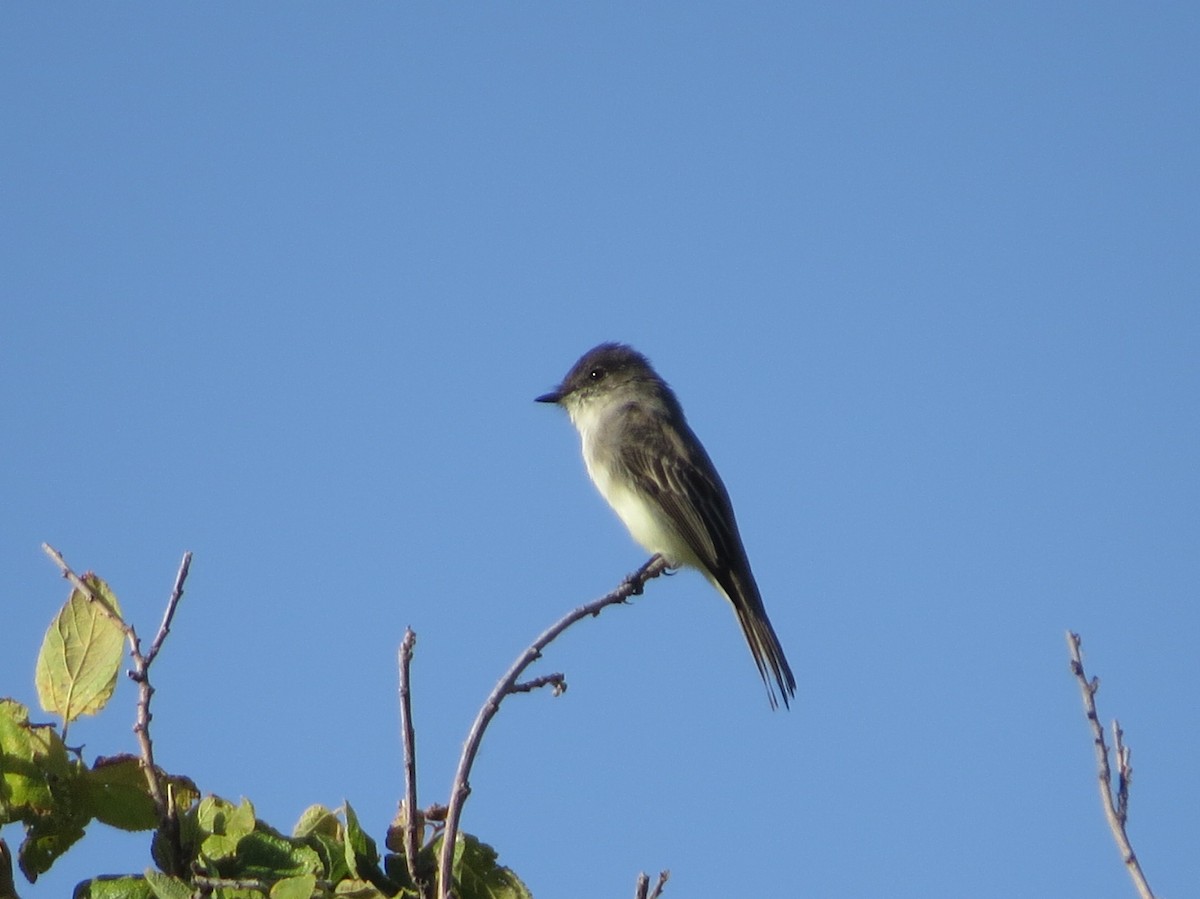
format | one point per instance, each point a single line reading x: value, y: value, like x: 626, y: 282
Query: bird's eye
x: 596, y: 374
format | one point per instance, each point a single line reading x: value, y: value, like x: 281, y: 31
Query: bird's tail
x: 760, y: 637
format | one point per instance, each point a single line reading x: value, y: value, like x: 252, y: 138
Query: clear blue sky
x: 281, y: 282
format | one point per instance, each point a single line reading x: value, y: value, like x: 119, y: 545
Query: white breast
x: 646, y: 522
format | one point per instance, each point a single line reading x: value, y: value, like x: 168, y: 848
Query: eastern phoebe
x: 653, y: 471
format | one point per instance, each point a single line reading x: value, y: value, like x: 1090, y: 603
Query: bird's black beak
x: 552, y: 397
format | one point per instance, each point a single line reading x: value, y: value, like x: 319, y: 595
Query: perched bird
x: 651, y: 468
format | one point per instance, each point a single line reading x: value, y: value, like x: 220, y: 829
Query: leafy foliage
x: 56, y: 795
x: 225, y: 851
x: 478, y: 875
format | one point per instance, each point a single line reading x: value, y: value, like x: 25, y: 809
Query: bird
x: 654, y: 472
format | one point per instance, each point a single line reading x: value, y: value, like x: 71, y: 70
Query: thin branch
x: 411, y: 813
x: 89, y: 594
x: 1115, y: 809
x: 251, y: 884
x: 461, y: 789
x: 172, y: 603
x: 557, y: 681
x: 204, y: 882
x: 643, y: 886
x: 168, y: 821
x: 663, y: 877
x: 1124, y: 771
x: 140, y: 674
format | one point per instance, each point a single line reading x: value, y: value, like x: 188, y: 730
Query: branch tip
x: 408, y: 738
x: 509, y: 684
x: 1115, y: 807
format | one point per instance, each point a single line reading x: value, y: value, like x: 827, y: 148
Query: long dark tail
x: 760, y: 636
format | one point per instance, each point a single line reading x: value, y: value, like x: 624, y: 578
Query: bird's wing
x: 688, y: 490
x: 677, y: 474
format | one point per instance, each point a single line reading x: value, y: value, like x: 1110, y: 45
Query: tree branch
x: 176, y: 594
x: 557, y: 682
x: 140, y: 674
x: 90, y: 595
x: 663, y: 877
x: 461, y: 789
x: 1115, y: 808
x: 411, y: 814
x: 208, y: 884
x: 643, y: 885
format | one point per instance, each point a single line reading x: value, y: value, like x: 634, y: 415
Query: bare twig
x: 205, y: 882
x: 1115, y: 808
x: 89, y: 594
x: 1124, y: 771
x: 140, y: 674
x: 461, y: 789
x: 209, y: 884
x: 411, y: 813
x: 168, y: 821
x: 172, y: 603
x: 643, y: 885
x: 663, y: 877
x: 557, y: 681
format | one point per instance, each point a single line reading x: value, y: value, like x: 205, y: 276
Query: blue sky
x: 281, y: 283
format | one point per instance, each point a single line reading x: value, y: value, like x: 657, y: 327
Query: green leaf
x: 317, y: 819
x: 118, y: 795
x: 40, y: 785
x: 23, y: 786
x: 357, y: 838
x: 51, y: 754
x: 80, y: 655
x: 123, y: 886
x: 241, y: 822
x: 32, y: 760
x: 211, y: 814
x: 320, y: 829
x: 51, y: 830
x: 266, y: 856
x: 167, y: 887
x: 301, y: 887
x: 479, y: 877
x: 214, y: 813
x: 362, y: 855
x: 332, y: 853
x: 48, y: 837
x: 217, y: 847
